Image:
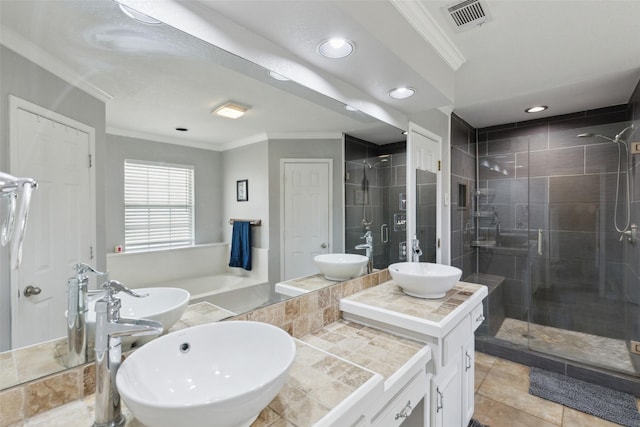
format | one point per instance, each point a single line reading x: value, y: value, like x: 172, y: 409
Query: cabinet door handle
x: 468, y: 361
x: 480, y: 318
x: 439, y: 403
x: 406, y: 411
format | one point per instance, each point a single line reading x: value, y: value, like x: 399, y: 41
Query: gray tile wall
x: 463, y: 171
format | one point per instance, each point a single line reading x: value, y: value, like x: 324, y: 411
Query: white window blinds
x: 158, y: 205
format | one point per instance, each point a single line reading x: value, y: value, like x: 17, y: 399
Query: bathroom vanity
x: 447, y: 325
x: 390, y: 360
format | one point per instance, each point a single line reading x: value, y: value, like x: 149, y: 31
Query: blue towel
x: 241, y: 245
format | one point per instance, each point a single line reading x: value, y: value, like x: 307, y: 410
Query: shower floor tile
x: 602, y: 351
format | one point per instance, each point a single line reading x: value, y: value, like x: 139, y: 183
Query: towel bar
x: 254, y: 222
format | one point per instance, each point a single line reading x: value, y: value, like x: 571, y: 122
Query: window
x: 158, y: 205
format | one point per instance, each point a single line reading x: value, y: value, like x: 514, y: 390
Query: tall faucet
x: 368, y: 247
x: 110, y: 327
x: 77, y: 292
x: 416, y: 252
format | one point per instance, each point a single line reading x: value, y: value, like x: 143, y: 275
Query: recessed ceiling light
x: 182, y: 129
x: 336, y: 48
x: 402, y: 92
x: 404, y: 132
x: 536, y: 109
x: 140, y: 17
x: 350, y: 108
x: 230, y: 110
x: 277, y: 76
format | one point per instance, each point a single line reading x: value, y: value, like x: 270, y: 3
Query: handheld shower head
x: 595, y: 135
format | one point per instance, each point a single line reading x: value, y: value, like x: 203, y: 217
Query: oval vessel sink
x: 340, y: 267
x: 219, y: 374
x: 424, y: 279
x: 164, y: 305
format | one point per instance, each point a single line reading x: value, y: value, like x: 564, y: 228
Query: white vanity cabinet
x: 446, y: 325
x: 452, y: 385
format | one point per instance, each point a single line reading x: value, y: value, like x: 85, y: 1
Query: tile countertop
x: 337, y: 373
x: 435, y: 317
x: 302, y: 285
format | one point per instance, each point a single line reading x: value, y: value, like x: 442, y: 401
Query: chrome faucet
x: 110, y: 327
x: 416, y: 252
x: 77, y: 292
x: 368, y: 247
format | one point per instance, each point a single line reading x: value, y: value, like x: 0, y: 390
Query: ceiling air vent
x: 468, y: 14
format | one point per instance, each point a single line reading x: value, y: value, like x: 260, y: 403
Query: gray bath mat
x: 603, y: 402
x: 476, y: 423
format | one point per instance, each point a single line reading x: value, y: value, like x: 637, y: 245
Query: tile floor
x: 503, y: 399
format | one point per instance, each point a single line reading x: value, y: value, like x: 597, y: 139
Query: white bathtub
x: 202, y: 270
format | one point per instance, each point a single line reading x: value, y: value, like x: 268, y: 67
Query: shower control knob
x: 31, y: 290
x: 324, y: 246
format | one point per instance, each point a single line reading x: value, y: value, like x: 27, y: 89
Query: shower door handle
x: 384, y: 233
x: 539, y: 241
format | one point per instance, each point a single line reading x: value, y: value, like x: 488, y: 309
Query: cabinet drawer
x: 477, y: 316
x: 403, y: 402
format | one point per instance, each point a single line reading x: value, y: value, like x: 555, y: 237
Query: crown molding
x: 422, y: 21
x: 163, y: 139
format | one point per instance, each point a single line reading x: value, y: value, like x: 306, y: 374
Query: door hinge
x: 90, y: 252
x: 438, y: 242
x: 90, y: 160
x: 439, y: 165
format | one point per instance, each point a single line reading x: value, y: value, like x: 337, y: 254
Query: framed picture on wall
x: 242, y: 190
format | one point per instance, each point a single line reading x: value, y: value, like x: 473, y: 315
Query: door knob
x: 31, y: 290
x: 323, y: 246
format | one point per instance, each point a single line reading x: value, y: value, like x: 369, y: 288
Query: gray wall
x: 303, y: 149
x: 250, y: 163
x: 26, y: 80
x: 208, y: 186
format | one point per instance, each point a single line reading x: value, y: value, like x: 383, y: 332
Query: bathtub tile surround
x: 299, y: 316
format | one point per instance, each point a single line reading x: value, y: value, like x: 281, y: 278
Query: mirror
x: 426, y: 207
x: 117, y: 62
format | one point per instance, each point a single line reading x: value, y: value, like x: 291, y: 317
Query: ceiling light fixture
x: 536, y: 109
x: 402, y: 92
x: 336, y: 48
x: 277, y: 76
x: 140, y: 17
x: 230, y: 110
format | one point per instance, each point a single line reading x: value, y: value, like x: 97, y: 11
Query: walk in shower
x: 375, y: 177
x: 552, y: 232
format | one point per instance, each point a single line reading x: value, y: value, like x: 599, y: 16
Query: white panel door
x: 307, y: 210
x: 59, y: 231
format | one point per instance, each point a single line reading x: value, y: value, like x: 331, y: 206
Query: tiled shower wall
x: 463, y: 172
x: 578, y: 281
x: 386, y: 183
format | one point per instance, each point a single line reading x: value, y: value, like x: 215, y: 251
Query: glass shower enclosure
x: 550, y: 211
x: 375, y: 200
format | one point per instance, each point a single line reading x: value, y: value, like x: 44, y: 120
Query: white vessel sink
x: 424, y: 279
x: 220, y: 374
x: 340, y: 267
x: 164, y: 305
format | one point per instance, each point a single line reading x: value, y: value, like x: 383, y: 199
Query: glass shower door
x: 578, y: 308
